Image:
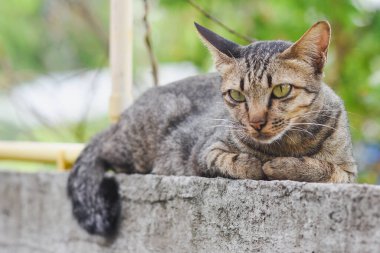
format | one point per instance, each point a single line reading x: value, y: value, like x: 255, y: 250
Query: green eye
x: 237, y: 96
x: 281, y: 90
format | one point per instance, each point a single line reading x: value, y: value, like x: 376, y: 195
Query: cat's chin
x: 263, y: 138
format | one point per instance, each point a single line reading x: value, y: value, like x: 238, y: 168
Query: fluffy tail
x: 95, y: 198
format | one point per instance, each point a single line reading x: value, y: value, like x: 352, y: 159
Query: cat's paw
x: 279, y: 169
x: 248, y: 167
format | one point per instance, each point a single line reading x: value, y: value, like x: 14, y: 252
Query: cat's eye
x: 237, y: 96
x: 281, y: 90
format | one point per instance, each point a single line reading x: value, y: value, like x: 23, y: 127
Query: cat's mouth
x: 265, y: 137
x: 262, y: 136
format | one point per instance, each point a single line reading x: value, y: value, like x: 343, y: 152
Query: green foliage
x: 19, y: 41
x: 367, y: 177
x: 44, y: 36
x: 39, y: 36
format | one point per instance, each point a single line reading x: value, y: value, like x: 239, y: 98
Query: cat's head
x: 269, y: 85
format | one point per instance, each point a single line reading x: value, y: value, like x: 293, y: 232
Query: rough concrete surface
x: 191, y: 214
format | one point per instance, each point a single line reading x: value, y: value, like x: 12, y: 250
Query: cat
x: 266, y: 115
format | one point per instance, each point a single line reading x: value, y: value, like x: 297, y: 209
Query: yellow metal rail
x: 64, y: 154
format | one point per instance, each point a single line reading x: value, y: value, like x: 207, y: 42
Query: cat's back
x: 181, y: 98
x: 200, y: 90
x: 162, y: 111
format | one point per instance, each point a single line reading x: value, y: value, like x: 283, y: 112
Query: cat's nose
x: 259, y: 124
x: 258, y: 119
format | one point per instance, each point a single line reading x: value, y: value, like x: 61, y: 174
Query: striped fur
x: 194, y: 127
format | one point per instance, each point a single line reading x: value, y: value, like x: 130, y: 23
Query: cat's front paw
x: 279, y: 169
x: 247, y: 167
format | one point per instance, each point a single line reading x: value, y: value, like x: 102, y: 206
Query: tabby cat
x: 265, y: 115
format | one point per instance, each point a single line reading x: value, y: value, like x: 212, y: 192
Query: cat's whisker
x: 325, y: 110
x: 302, y: 130
x: 227, y: 120
x: 315, y: 124
x: 239, y: 134
x: 290, y: 138
x: 303, y: 116
x: 230, y: 123
x: 320, y: 111
x: 320, y: 114
x: 224, y: 126
x: 277, y: 143
x: 235, y: 131
x: 352, y: 127
x: 351, y: 113
x: 227, y: 127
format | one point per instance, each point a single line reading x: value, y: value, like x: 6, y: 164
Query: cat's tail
x: 95, y: 198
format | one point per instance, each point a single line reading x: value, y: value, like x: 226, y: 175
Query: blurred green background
x: 60, y: 40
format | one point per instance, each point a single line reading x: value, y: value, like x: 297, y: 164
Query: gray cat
x: 266, y: 115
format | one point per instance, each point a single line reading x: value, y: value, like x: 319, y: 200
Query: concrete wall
x: 190, y: 214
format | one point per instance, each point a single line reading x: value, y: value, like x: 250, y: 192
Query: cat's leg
x: 306, y: 169
x: 220, y: 160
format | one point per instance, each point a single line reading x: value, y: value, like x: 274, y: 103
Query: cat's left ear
x: 224, y: 51
x: 312, y: 47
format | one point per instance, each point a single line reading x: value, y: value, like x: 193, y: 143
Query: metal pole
x: 120, y: 56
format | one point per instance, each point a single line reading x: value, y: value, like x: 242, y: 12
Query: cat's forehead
x: 263, y: 50
x: 257, y: 56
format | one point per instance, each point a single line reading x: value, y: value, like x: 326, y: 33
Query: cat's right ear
x: 223, y: 51
x: 312, y: 47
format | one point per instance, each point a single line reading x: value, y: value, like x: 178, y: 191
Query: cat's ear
x: 312, y: 47
x: 224, y: 51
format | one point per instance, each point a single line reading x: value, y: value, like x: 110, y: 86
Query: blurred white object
x: 66, y: 97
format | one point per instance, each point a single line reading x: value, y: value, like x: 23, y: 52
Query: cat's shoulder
x: 330, y: 94
x: 210, y: 79
x: 192, y: 87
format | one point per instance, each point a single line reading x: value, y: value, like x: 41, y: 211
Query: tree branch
x: 148, y: 44
x: 217, y: 21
